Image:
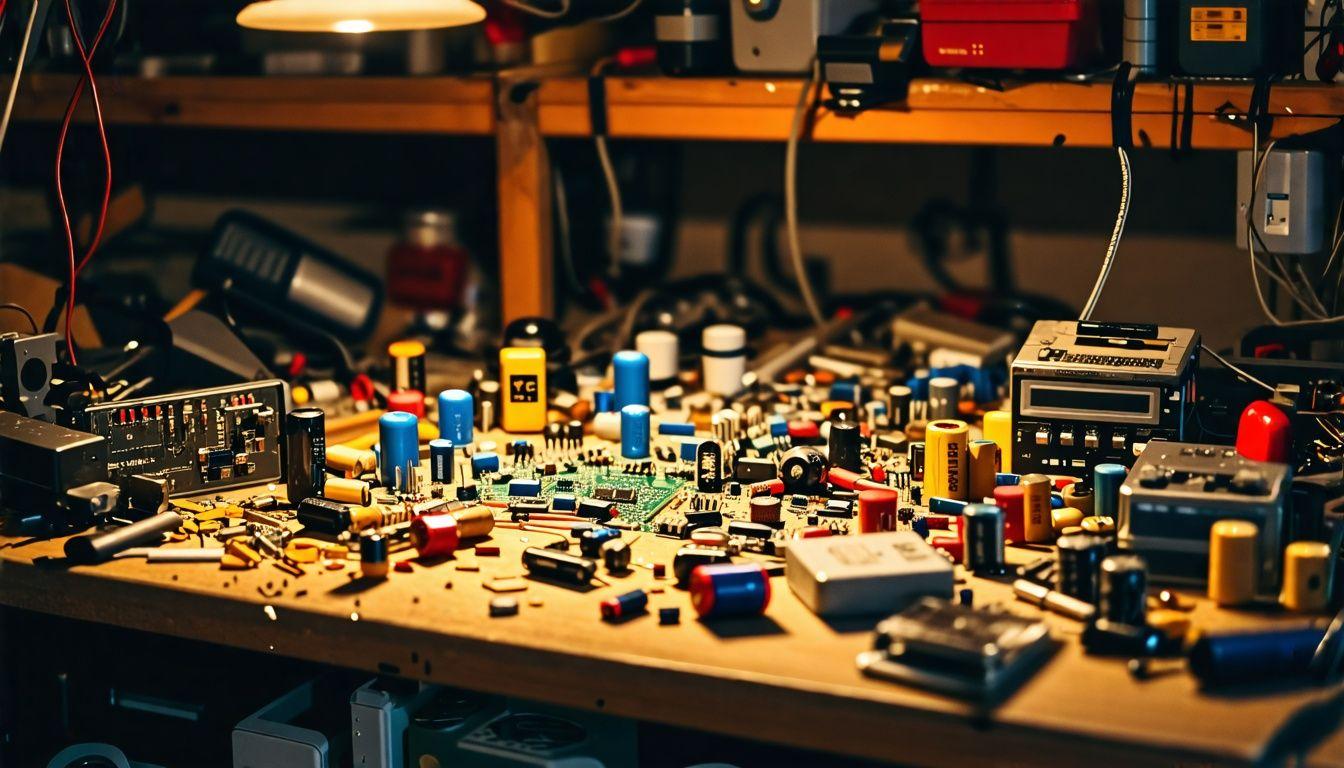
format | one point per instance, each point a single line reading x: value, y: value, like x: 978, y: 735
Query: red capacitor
x: 764, y: 488
x: 804, y: 430
x: 1265, y: 433
x: 950, y: 544
x: 814, y: 532
x: 877, y: 511
x: 852, y: 481
x: 434, y: 535
x: 1009, y: 499
x: 938, y: 522
x: 408, y: 400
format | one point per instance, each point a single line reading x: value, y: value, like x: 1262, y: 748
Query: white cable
x: 1235, y: 369
x: 18, y: 73
x: 614, y: 193
x: 791, y: 196
x: 1126, y: 192
x: 535, y: 11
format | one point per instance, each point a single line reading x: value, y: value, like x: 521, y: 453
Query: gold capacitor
x: 474, y: 522
x: 351, y: 462
x: 1306, y: 575
x: 365, y: 517
x: 984, y: 469
x: 999, y: 428
x: 1078, y: 496
x: 1094, y: 524
x: 1234, y: 562
x: 1038, y: 524
x: 346, y: 490
x: 946, y: 473
x: 1066, y: 517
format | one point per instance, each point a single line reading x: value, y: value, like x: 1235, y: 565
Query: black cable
x: 32, y: 323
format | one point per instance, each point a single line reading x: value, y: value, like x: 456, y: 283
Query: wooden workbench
x: 788, y: 677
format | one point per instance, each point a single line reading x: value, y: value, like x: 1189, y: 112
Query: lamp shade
x: 356, y: 16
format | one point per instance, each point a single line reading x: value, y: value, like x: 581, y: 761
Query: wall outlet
x: 1289, y: 209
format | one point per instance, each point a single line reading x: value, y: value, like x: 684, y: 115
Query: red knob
x: 1265, y: 433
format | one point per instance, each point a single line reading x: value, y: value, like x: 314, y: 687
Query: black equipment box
x: 40, y: 462
x: 1093, y: 393
x: 1240, y: 38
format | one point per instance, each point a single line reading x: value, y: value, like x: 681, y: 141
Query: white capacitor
x: 607, y: 425
x: 725, y: 358
x: 662, y: 349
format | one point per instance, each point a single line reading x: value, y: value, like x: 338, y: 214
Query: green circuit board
x: 639, y: 498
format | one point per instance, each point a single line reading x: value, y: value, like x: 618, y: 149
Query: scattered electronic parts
x: 201, y: 440
x: 1175, y: 495
x: 1089, y: 393
x: 871, y: 574
x: 966, y: 652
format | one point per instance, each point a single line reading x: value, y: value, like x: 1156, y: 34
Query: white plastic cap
x: 724, y: 338
x: 662, y: 349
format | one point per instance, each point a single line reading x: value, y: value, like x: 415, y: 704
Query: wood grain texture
x: 788, y: 677
x: 526, y: 243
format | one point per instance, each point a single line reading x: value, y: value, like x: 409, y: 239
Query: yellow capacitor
x: 365, y: 517
x: 946, y: 473
x: 346, y: 490
x: 351, y: 462
x: 474, y: 522
x: 1306, y: 574
x: 1038, y: 524
x: 984, y: 468
x: 522, y: 378
x: 999, y: 428
x: 1079, y: 497
x: 1234, y: 562
x: 1066, y: 517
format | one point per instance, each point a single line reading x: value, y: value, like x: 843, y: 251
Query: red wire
x: 86, y: 57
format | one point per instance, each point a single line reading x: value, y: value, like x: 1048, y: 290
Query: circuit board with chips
x: 639, y: 498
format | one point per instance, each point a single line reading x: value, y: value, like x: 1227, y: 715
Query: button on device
x: 1117, y: 442
x: 1248, y: 481
x: 1090, y: 440
x: 1043, y: 436
x: 1066, y: 437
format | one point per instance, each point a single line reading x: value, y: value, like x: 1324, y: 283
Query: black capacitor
x: 982, y: 527
x: 846, y: 446
x: 802, y: 469
x: 899, y: 410
x: 616, y: 556
x: 305, y: 453
x: 1079, y: 566
x: 917, y: 461
x: 687, y: 558
x: 557, y: 565
x: 574, y: 431
x: 1104, y: 637
x: 324, y: 516
x: 1124, y: 589
x: 709, y: 467
x: 373, y: 548
x: 1274, y: 654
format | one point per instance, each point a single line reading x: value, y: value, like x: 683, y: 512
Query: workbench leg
x: 525, y: 235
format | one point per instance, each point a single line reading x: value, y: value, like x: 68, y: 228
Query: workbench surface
x: 788, y: 677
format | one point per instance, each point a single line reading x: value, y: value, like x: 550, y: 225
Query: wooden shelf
x: 937, y: 112
x: 449, y: 105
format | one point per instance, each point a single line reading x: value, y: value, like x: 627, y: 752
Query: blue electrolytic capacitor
x: 1056, y: 501
x: 729, y: 590
x: 630, y: 370
x: 942, y: 506
x: 441, y: 460
x: 399, y: 441
x: 1244, y: 657
x: 524, y: 486
x: 982, y: 379
x: 635, y: 432
x: 604, y: 400
x: 591, y: 540
x: 622, y: 606
x: 919, y: 387
x: 1106, y: 482
x: 1007, y: 478
x: 457, y: 414
x: 677, y: 428
x: 485, y: 461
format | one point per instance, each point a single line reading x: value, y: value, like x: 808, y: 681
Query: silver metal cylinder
x: 1141, y: 32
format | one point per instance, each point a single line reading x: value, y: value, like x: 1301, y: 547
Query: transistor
x: 324, y: 516
x: 561, y: 566
x: 752, y: 470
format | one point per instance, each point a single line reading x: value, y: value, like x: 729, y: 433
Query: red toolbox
x: 1011, y: 34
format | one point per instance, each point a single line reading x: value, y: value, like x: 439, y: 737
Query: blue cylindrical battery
x: 677, y: 428
x: 603, y: 400
x: 628, y: 604
x: 729, y: 590
x: 1106, y: 482
x: 457, y: 414
x: 635, y: 432
x: 630, y: 370
x: 441, y: 460
x: 1242, y: 657
x: 399, y: 440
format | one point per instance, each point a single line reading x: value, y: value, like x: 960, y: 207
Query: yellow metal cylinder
x: 1306, y: 574
x: 347, y: 490
x: 946, y: 444
x: 1234, y: 563
x: 999, y: 428
x: 1037, y: 522
x: 984, y: 468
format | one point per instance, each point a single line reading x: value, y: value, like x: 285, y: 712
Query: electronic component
x: 946, y: 444
x: 662, y: 348
x: 407, y: 361
x: 1240, y: 38
x: 522, y: 372
x: 803, y: 469
x: 305, y: 453
x: 630, y: 372
x: 473, y: 522
x: 559, y: 566
x: 42, y: 469
x: 199, y: 440
x: 1176, y: 492
x: 324, y: 516
x: 778, y: 36
x: 1279, y: 654
x: 1012, y: 500
x: 1055, y: 602
x: 347, y: 490
x: 1078, y: 572
x: 957, y: 650
x: 434, y: 535
x: 276, y: 271
x: 635, y: 428
x: 625, y: 605
x: 373, y: 552
x: 410, y: 401
x: 1292, y: 197
x: 1307, y: 567
x: 1124, y: 589
x: 878, y: 573
x: 982, y: 536
x: 688, y: 559
x: 1143, y: 36
x: 441, y: 460
x: 1264, y: 433
x: 1234, y: 552
x: 720, y: 591
x: 457, y: 415
x: 1089, y: 393
x: 998, y: 427
x: 984, y: 466
x: 1009, y: 34
x: 351, y: 462
x: 692, y: 37
x: 924, y: 328
x: 92, y: 548
x: 863, y: 71
x: 845, y: 445
x: 399, y: 449
x: 723, y: 359
x: 1037, y: 526
x: 26, y: 364
x: 944, y: 398
x: 877, y: 510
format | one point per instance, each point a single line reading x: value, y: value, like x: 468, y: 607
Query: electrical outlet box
x: 1290, y: 203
